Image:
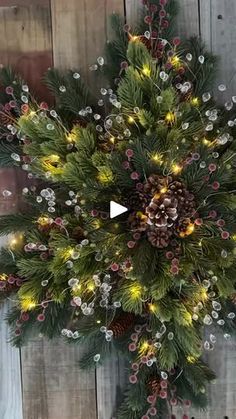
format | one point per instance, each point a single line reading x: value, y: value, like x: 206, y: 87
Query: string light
x: 44, y: 221
x: 70, y: 138
x: 135, y: 291
x: 105, y: 175
x: 152, y: 308
x: 112, y: 140
x: 170, y: 117
x: 131, y: 120
x: 146, y: 71
x: 27, y: 304
x: 175, y: 61
x: 195, y: 101
x: 15, y: 241
x: 206, y: 142
x: 176, y: 168
x: 190, y: 229
x: 134, y: 37
x: 157, y: 158
x: 164, y: 190
x: 91, y: 287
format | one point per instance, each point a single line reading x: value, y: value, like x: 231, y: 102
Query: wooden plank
x: 188, y: 18
x: 222, y: 393
x: 80, y: 32
x: 10, y: 382
x: 134, y: 12
x: 218, y: 29
x: 111, y: 380
x: 25, y: 33
x: 53, y: 385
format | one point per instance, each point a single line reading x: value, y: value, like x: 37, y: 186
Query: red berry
x: 185, y: 416
x: 132, y: 347
x: 175, y: 262
x: 163, y: 394
x: 126, y: 165
x: 41, y: 317
x: 134, y: 176
x: 124, y: 64
x: 145, y: 417
x: 148, y: 20
x: 133, y: 379
x: 134, y: 337
x: 17, y: 332
x: 174, y: 270
x: 152, y: 411
x: 153, y: 8
x: 187, y: 403
x: 114, y: 267
x: 215, y: 186
x: 220, y: 223
x: 164, y: 384
x: 129, y: 153
x: 162, y: 13
x: 94, y: 213
x: 126, y: 28
x: 169, y: 255
x: 9, y: 90
x: 44, y: 106
x: 225, y: 235
x: 25, y: 317
x: 136, y: 236
x: 12, y: 104
x: 213, y: 214
x: 173, y: 401
x: 131, y: 244
x: 164, y: 23
x: 151, y: 399
x: 163, y: 2
x: 25, y: 108
x: 7, y: 107
x: 135, y: 366
x: 176, y: 41
x: 212, y: 167
x: 198, y: 221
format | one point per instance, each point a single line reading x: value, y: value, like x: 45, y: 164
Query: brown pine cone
x: 154, y: 384
x: 159, y: 237
x: 122, y: 323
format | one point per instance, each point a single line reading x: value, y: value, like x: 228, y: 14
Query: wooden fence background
x: 42, y: 381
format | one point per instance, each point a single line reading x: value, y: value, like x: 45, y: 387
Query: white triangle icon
x: 116, y: 209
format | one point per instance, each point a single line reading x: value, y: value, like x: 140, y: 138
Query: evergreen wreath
x: 155, y: 282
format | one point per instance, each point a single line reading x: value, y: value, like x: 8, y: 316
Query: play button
x: 116, y: 209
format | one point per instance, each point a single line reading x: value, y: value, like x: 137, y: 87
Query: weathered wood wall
x: 42, y: 381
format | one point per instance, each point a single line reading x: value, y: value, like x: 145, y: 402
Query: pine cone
x: 159, y: 237
x: 122, y: 323
x: 154, y: 384
x: 162, y: 212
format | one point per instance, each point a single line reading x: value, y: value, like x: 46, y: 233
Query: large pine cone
x: 162, y: 212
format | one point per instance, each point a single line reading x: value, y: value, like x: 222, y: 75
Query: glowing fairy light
x: 146, y: 71
x: 176, y: 169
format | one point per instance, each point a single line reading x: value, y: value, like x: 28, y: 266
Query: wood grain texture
x: 134, y: 10
x: 217, y: 19
x: 10, y: 382
x: 80, y: 30
x: 53, y: 385
x: 25, y: 33
x: 111, y: 380
x: 222, y: 393
x: 188, y: 18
